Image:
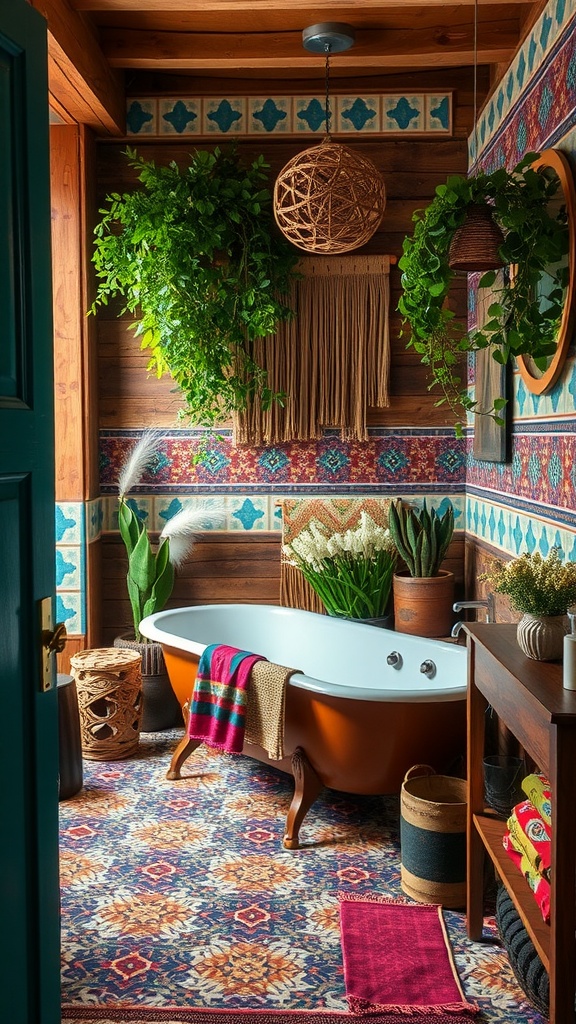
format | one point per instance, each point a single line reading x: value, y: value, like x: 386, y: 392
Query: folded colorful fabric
x: 539, y: 885
x: 537, y: 789
x: 531, y: 836
x: 218, y: 706
x: 265, y: 708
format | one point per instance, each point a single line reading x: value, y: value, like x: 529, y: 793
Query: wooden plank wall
x: 223, y: 568
x: 412, y: 169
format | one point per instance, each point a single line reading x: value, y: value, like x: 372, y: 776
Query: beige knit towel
x: 265, y: 707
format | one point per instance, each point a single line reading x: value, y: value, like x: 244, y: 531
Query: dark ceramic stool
x: 70, y: 748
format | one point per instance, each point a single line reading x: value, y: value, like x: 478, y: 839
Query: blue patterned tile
x: 70, y: 522
x: 224, y: 116
x: 310, y: 114
x: 141, y: 117
x: 70, y: 567
x: 439, y: 113
x: 402, y: 112
x: 358, y: 114
x: 270, y: 116
x: 180, y: 116
x: 94, y: 519
x: 70, y: 611
x: 251, y: 514
x: 544, y: 543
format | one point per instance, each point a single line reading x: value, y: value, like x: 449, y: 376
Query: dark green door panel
x: 29, y: 965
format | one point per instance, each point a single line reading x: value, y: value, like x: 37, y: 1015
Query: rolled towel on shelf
x: 531, y: 836
x: 537, y: 789
x: 539, y: 885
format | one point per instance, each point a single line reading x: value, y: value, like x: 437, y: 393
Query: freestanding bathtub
x: 365, y: 706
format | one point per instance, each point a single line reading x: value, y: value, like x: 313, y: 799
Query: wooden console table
x: 529, y: 698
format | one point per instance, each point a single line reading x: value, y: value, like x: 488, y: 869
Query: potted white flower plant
x: 350, y: 572
x: 542, y: 589
x: 150, y: 576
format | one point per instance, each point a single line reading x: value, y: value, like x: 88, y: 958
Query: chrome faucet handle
x: 394, y: 659
x: 428, y: 668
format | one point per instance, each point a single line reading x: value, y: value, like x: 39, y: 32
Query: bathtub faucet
x: 394, y: 659
x: 459, y: 606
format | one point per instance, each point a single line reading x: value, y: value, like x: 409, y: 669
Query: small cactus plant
x: 421, y: 536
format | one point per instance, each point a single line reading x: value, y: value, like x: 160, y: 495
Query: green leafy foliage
x: 421, y: 537
x: 150, y: 577
x: 519, y: 323
x: 194, y: 254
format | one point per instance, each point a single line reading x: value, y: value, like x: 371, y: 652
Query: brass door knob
x: 55, y: 640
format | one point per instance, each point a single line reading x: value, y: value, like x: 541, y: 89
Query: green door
x: 29, y: 927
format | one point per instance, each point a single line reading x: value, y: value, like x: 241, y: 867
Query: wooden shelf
x: 491, y: 831
x: 528, y: 697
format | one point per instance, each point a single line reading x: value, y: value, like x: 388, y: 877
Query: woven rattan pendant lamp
x: 329, y: 199
x: 476, y: 242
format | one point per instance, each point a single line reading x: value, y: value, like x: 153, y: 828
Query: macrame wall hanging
x: 332, y: 360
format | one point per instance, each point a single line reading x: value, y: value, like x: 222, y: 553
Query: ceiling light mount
x: 328, y: 37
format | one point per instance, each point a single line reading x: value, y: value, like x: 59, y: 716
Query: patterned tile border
x: 542, y: 72
x: 70, y: 567
x: 249, y: 512
x: 383, y: 464
x: 383, y: 114
x: 542, y: 470
x: 515, y: 530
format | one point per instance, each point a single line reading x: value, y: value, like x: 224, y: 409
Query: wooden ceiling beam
x: 80, y: 79
x: 216, y: 6
x: 417, y: 48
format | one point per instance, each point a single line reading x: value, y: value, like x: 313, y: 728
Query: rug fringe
x: 364, y: 1008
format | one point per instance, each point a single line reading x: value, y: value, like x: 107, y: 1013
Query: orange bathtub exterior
x: 355, y: 746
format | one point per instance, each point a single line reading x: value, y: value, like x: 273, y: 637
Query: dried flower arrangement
x: 535, y: 585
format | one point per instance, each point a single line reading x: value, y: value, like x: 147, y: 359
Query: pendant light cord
x: 475, y: 86
x: 327, y: 113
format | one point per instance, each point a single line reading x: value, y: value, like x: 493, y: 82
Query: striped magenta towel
x: 218, y: 706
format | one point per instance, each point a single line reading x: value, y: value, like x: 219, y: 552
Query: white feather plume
x: 136, y: 462
x: 181, y: 528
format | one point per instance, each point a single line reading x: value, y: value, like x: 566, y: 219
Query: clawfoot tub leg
x: 182, y: 752
x: 186, y: 747
x: 308, y: 787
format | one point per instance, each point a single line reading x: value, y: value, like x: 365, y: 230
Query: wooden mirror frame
x: 538, y: 385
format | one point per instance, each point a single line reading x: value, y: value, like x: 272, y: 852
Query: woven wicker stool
x: 109, y: 687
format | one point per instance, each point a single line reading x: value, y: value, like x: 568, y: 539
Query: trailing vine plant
x: 195, y: 255
x: 519, y: 323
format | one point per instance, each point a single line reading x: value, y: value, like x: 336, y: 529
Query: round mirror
x: 539, y: 380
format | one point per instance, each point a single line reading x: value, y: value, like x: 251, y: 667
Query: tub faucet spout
x: 459, y: 606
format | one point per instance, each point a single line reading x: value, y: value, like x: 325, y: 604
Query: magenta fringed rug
x: 398, y: 962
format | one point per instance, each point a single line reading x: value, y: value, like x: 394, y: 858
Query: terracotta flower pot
x: 423, y: 604
x: 541, y: 637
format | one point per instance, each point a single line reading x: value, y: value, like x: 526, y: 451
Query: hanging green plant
x: 195, y: 255
x: 519, y: 322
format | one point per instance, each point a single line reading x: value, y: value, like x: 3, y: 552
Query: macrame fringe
x: 332, y: 360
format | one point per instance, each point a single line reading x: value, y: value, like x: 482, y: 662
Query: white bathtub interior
x: 336, y: 656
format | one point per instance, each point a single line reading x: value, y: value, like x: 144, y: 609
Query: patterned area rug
x: 180, y: 895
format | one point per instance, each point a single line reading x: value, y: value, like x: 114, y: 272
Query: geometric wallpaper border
x: 249, y: 116
x: 530, y: 63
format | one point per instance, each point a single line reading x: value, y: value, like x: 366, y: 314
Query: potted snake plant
x: 423, y: 592
x: 150, y: 577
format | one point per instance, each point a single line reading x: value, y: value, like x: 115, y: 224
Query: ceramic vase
x: 541, y: 637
